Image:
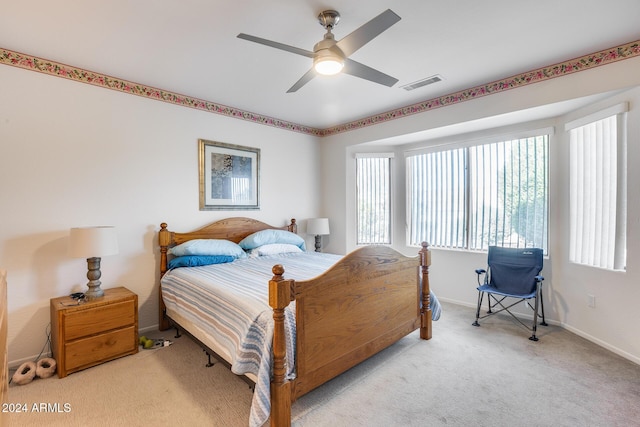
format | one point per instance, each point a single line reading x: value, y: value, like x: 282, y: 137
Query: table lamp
x: 318, y: 227
x: 93, y: 243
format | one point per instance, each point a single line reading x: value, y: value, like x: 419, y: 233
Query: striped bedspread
x: 229, y: 302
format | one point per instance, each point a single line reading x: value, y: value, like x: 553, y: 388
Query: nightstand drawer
x: 105, y: 318
x: 100, y: 348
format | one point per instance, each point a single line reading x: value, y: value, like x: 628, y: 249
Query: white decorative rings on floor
x: 25, y: 373
x: 46, y: 367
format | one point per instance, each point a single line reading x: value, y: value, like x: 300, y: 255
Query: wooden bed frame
x: 367, y: 301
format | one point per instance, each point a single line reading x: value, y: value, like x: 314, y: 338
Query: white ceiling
x: 190, y: 46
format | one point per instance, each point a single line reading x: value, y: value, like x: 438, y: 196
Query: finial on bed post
x: 425, y: 307
x: 293, y: 227
x: 278, y: 271
x: 279, y: 298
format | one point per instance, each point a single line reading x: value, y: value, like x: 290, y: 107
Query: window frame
x: 545, y: 131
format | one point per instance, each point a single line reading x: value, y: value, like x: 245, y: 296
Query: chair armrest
x: 539, y: 278
x: 480, y: 271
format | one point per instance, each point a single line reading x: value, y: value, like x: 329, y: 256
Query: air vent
x: 429, y: 80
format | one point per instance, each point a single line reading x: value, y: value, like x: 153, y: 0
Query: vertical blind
x: 373, y: 197
x: 509, y: 199
x: 477, y: 196
x: 437, y: 186
x: 597, y: 193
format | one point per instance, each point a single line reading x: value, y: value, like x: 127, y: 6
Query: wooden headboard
x: 234, y: 229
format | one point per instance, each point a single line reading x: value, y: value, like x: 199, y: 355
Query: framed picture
x: 229, y: 176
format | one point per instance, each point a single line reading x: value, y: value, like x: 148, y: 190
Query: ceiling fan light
x: 328, y: 63
x: 328, y: 67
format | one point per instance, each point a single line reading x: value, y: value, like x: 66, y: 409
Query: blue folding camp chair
x: 515, y: 274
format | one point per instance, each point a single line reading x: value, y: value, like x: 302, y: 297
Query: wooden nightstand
x: 90, y: 333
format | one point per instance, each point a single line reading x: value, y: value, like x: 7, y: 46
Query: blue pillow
x: 268, y: 237
x: 208, y: 247
x: 198, y: 260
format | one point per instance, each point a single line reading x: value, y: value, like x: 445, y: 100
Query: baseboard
x: 569, y: 328
x: 14, y: 364
x: 153, y: 328
x: 601, y: 343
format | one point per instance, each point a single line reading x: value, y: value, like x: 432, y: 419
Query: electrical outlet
x: 591, y: 301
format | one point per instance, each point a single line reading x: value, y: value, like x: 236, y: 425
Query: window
x: 597, y: 189
x: 478, y: 196
x: 373, y: 196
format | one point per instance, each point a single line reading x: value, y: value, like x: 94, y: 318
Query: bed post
x: 279, y: 298
x: 425, y: 309
x: 293, y: 227
x: 164, y: 240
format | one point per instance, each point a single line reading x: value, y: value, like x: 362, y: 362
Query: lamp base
x: 94, y: 292
x: 318, y: 243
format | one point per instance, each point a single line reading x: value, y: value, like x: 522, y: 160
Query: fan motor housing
x: 329, y: 18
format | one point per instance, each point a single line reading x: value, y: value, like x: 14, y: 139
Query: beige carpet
x: 464, y: 376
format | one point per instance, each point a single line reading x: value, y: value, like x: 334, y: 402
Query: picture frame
x: 229, y: 176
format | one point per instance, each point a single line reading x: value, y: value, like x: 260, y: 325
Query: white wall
x: 613, y: 322
x: 77, y: 155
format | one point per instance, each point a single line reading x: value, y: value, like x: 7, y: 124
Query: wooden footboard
x: 366, y: 302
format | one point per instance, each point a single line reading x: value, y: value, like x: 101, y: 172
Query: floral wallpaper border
x: 57, y: 69
x: 582, y: 63
x: 625, y: 51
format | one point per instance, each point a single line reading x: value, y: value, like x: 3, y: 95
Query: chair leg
x: 543, y: 323
x: 478, y: 309
x: 535, y: 316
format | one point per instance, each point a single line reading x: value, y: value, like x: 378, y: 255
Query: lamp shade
x: 318, y: 226
x: 93, y: 242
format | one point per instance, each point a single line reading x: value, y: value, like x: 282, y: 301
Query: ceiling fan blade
x: 367, y: 32
x: 360, y: 70
x: 277, y: 45
x: 303, y: 80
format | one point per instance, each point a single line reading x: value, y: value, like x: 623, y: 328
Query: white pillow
x: 271, y: 236
x: 274, y: 249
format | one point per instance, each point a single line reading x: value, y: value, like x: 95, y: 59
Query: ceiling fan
x: 331, y: 57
